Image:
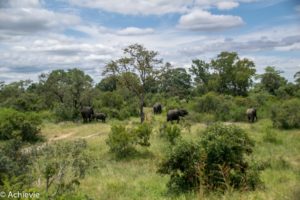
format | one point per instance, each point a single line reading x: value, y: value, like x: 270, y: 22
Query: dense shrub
x: 287, y: 114
x: 216, y: 162
x: 121, y: 141
x: 170, y: 132
x: 65, y: 112
x: 143, y: 133
x: 18, y: 125
x: 184, y: 166
x: 225, y: 148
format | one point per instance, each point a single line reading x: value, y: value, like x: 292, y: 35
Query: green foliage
x: 18, y: 125
x: 271, y: 80
x: 170, y: 132
x: 225, y: 148
x: 61, y: 166
x: 175, y: 82
x: 183, y: 165
x: 121, y: 141
x: 143, y: 133
x: 216, y: 162
x: 286, y: 115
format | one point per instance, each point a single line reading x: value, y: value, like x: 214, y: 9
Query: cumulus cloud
x: 135, y: 31
x: 200, y: 20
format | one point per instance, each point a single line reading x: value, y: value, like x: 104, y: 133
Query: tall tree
x: 235, y: 75
x: 135, y: 69
x: 176, y: 82
x: 271, y: 79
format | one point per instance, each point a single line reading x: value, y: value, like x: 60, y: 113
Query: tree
x: 67, y: 90
x: 235, y: 75
x: 271, y: 79
x: 135, y: 70
x: 200, y: 71
x: 297, y: 77
x: 176, y: 82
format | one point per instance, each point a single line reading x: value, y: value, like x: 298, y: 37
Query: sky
x: 38, y: 36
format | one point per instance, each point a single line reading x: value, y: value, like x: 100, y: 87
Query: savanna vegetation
x: 214, y: 152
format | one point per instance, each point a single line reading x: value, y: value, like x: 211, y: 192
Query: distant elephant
x: 251, y: 114
x: 176, y: 114
x: 157, y: 108
x: 100, y: 116
x: 87, y: 113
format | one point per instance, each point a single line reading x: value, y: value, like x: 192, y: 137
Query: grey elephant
x: 251, y: 114
x: 176, y: 114
x: 100, y: 116
x: 87, y: 113
x: 157, y: 108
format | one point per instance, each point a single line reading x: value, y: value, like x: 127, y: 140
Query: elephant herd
x: 88, y: 114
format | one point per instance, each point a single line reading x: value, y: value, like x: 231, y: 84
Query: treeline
x: 140, y: 78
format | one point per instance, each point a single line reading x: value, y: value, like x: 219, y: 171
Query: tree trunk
x: 142, y: 114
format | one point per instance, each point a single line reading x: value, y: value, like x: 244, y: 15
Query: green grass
x: 136, y: 178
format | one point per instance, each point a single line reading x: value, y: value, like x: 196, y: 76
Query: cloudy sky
x: 38, y: 36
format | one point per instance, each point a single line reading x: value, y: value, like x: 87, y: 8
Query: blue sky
x: 37, y: 36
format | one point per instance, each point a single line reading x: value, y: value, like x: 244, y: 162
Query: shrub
x: 121, y: 141
x: 65, y: 112
x: 216, y: 162
x: 225, y: 148
x: 183, y: 164
x: 143, y: 133
x: 60, y: 167
x: 170, y: 132
x: 18, y: 125
x: 287, y: 114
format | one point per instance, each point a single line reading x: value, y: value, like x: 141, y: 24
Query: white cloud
x: 200, y: 20
x: 227, y: 5
x: 135, y: 31
x: 20, y: 21
x: 20, y: 4
x: 297, y: 8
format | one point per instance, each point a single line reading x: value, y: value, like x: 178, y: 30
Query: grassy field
x: 136, y: 178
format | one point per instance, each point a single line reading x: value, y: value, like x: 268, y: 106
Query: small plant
x: 170, y: 132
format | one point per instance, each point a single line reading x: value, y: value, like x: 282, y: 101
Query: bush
x: 170, y: 132
x: 121, y: 141
x: 143, y: 133
x: 216, y: 162
x: 287, y: 114
x: 18, y: 125
x: 225, y: 148
x: 65, y: 112
x: 183, y: 164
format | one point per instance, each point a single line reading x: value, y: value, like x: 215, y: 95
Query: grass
x: 136, y: 178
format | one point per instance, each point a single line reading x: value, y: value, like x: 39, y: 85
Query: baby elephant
x: 251, y: 114
x: 100, y: 116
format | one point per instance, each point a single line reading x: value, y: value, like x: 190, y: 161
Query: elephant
x: 157, y: 108
x: 87, y: 113
x: 251, y: 114
x: 176, y: 114
x: 100, y: 116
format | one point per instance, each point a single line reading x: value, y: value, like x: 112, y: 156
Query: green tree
x: 67, y: 90
x: 200, y: 71
x: 175, y: 82
x: 271, y: 80
x: 135, y: 70
x: 234, y: 74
